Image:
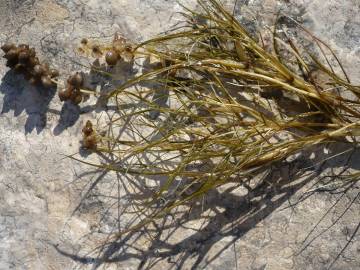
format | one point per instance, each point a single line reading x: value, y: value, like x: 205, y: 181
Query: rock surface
x: 41, y: 225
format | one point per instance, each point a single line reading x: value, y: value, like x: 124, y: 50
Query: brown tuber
x: 33, y: 61
x: 90, y: 142
x: 88, y: 128
x: 76, y: 80
x: 46, y: 81
x: 65, y: 94
x: 77, y: 98
x: 39, y: 70
x: 89, y: 136
x: 54, y: 73
x: 112, y: 57
x: 72, y: 92
x: 24, y: 57
x: 7, y: 47
x: 12, y: 54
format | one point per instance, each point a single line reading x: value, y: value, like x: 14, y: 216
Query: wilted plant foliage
x: 214, y: 105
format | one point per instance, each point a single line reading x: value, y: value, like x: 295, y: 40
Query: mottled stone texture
x: 41, y: 225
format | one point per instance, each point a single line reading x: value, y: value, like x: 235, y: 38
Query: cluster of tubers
x: 72, y: 91
x: 120, y: 50
x: 89, y: 136
x: 22, y: 59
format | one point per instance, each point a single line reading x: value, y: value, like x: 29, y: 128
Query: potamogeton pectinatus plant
x: 216, y: 92
x: 208, y: 108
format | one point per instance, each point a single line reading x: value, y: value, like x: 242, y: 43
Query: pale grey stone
x: 41, y: 225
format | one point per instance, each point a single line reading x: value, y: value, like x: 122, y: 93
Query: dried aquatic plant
x: 212, y: 105
x: 215, y: 106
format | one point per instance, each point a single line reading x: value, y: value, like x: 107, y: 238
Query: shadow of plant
x: 21, y: 97
x: 184, y: 238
